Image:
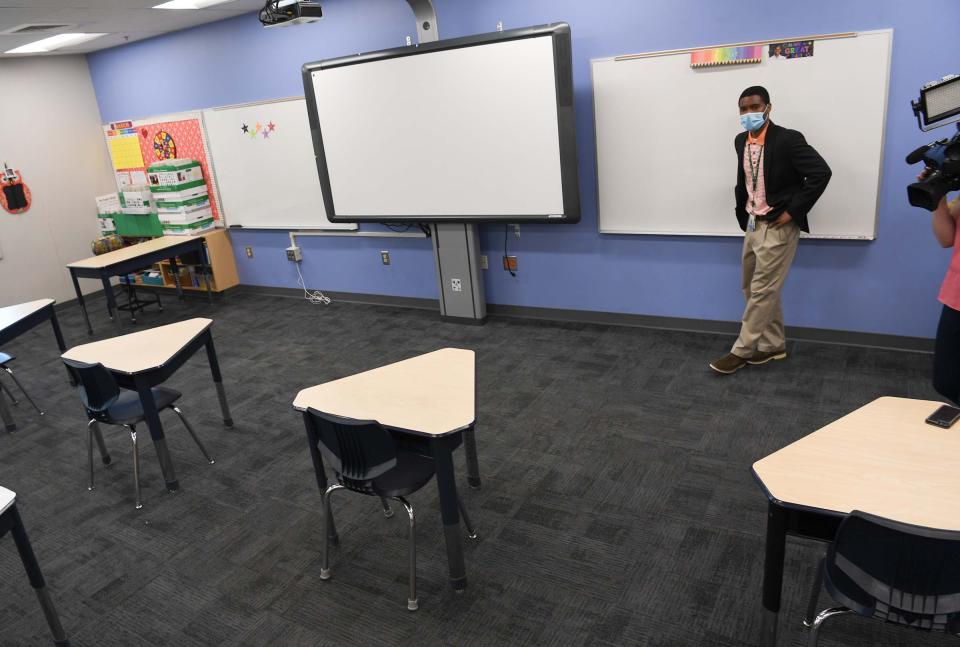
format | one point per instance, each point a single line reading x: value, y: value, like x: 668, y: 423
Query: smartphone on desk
x: 944, y: 417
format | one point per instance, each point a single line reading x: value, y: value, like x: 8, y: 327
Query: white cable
x: 315, y: 297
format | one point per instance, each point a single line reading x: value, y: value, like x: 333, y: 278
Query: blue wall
x: 884, y: 286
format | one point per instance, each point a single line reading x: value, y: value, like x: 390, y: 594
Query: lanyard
x: 754, y: 169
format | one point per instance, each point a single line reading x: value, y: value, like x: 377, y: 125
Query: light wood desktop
x: 18, y: 319
x: 429, y: 399
x: 212, y: 245
x: 142, y: 360
x: 882, y: 459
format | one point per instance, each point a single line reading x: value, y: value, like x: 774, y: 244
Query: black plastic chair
x: 5, y: 359
x: 366, y: 459
x: 105, y: 402
x: 896, y: 572
x: 10, y: 522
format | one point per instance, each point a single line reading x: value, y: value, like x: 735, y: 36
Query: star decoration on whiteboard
x: 266, y: 133
x: 272, y: 126
x: 245, y: 128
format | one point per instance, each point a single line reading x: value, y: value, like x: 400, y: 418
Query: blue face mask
x: 752, y: 120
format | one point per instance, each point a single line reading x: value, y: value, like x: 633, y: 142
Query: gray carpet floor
x: 617, y: 505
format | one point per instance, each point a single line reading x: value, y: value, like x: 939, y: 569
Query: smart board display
x: 467, y: 130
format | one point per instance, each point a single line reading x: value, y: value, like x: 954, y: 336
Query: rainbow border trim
x: 726, y: 56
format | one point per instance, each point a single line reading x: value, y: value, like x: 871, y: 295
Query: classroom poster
x: 157, y: 140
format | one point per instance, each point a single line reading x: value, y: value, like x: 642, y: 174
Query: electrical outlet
x: 456, y: 285
x: 510, y: 263
x: 484, y: 263
x: 249, y: 251
x: 294, y: 254
x: 516, y: 231
x: 384, y: 256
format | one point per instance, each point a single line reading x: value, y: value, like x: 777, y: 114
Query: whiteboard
x: 266, y: 181
x: 465, y: 132
x: 666, y: 163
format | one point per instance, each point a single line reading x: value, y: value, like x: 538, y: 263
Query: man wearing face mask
x: 779, y: 179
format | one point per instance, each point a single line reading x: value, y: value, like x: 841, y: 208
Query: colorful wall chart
x: 157, y: 139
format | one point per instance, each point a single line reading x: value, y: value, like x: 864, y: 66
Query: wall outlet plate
x: 456, y: 285
x: 294, y: 254
x: 484, y: 263
x: 385, y: 256
x: 249, y: 251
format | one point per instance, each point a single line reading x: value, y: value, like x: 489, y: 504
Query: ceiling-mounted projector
x: 282, y: 13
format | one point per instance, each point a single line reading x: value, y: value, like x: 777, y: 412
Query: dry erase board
x: 263, y: 160
x: 666, y: 163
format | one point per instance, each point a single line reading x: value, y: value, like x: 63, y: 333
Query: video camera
x: 939, y: 101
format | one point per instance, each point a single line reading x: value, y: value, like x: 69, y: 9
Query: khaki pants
x: 767, y: 254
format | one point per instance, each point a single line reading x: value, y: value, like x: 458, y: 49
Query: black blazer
x: 794, y: 175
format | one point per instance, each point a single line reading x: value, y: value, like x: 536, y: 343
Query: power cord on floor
x: 315, y: 297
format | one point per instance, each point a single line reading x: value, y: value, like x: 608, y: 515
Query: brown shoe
x: 729, y: 363
x: 762, y: 357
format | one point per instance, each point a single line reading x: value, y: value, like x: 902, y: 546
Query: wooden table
x: 882, y: 459
x: 129, y: 259
x: 18, y: 319
x: 429, y: 399
x: 142, y: 360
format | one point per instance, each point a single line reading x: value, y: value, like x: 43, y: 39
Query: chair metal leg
x: 387, y: 510
x: 814, y: 595
x: 90, y: 451
x: 471, y: 532
x: 412, y: 603
x: 819, y: 620
x: 193, y: 434
x: 104, y: 454
x: 4, y: 389
x: 327, y: 516
x: 20, y: 386
x: 136, y: 464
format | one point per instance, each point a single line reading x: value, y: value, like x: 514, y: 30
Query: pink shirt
x: 950, y: 290
x: 753, y: 154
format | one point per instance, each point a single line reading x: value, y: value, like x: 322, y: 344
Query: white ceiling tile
x: 133, y: 19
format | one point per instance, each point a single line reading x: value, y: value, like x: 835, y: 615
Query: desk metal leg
x: 60, y: 343
x: 152, y: 417
x: 449, y: 510
x: 35, y: 575
x: 111, y: 304
x: 773, y: 573
x: 5, y: 414
x: 205, y: 265
x: 83, y: 306
x: 470, y: 451
x: 176, y: 277
x: 218, y: 381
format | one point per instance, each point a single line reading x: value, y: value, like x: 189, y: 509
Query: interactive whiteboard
x: 471, y: 129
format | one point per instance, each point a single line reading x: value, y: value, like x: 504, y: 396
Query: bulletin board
x: 137, y: 143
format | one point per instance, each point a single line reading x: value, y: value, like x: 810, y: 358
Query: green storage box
x: 136, y: 225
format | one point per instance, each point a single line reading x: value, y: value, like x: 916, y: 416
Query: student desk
x: 882, y: 459
x: 429, y: 399
x: 128, y: 259
x: 18, y: 319
x: 142, y: 360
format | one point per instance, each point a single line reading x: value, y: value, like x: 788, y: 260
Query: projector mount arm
x: 426, y: 17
